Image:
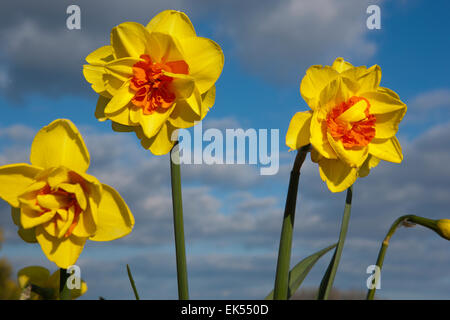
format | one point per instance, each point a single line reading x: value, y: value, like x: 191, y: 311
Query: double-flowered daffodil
x: 352, y: 122
x: 155, y: 79
x: 47, y: 285
x: 56, y: 203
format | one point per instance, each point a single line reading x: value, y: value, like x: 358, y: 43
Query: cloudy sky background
x: 232, y: 213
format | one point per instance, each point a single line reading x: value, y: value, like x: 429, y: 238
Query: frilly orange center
x: 153, y: 88
x: 356, y: 133
x: 69, y: 200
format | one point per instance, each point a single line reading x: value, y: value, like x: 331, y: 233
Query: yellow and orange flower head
x: 352, y: 122
x: 155, y: 79
x: 56, y: 203
x: 40, y: 276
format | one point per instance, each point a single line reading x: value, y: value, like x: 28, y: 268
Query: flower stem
x: 327, y: 281
x: 284, y: 251
x: 385, y: 244
x: 183, y: 291
x: 64, y: 292
x: 133, y: 285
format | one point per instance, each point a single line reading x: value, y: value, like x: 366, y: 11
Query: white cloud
x: 276, y: 40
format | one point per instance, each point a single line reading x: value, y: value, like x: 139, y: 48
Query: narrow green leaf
x: 301, y: 270
x: 133, y: 285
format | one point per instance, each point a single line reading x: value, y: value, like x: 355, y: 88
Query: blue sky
x: 233, y: 215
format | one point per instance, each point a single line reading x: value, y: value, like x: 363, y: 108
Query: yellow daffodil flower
x: 352, y: 122
x: 40, y: 276
x: 155, y: 79
x: 56, y: 203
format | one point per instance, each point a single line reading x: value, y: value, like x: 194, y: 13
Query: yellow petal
x: 31, y: 218
x: 337, y: 91
x: 101, y: 56
x: 95, y: 75
x: 151, y: 123
x: 114, y: 217
x: 389, y: 92
x: 353, y: 157
x: 27, y: 235
x: 63, y: 252
x: 129, y: 39
x: 182, y: 85
x: 184, y: 117
x: 315, y: 156
x: 161, y: 143
x: 298, y: 134
x: 77, y: 190
x: 14, y: 179
x: 163, y: 47
x: 371, y: 162
x: 58, y: 227
x: 370, y: 80
x: 123, y: 116
x: 383, y: 102
x: 27, y: 200
x: 15, y: 215
x: 121, y: 128
x: 107, y: 76
x: 121, y: 69
x: 52, y: 201
x: 205, y: 59
x: 86, y: 225
x: 337, y: 174
x: 340, y: 65
x: 355, y: 113
x: 60, y: 144
x: 386, y: 149
x: 195, y: 102
x: 120, y: 100
x: 104, y: 81
x: 100, y: 108
x: 33, y: 275
x: 386, y: 125
x: 315, y: 79
x: 57, y: 176
x: 319, y: 138
x: 172, y: 22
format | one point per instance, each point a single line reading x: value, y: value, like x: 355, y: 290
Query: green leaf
x: 301, y: 270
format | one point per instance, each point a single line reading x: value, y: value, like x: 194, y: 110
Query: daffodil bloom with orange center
x: 56, y: 203
x: 352, y: 122
x: 155, y: 79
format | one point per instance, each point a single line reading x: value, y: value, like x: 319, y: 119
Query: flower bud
x: 443, y: 228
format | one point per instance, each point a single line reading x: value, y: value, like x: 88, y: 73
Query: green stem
x: 133, y: 285
x: 64, y: 292
x: 183, y: 291
x: 327, y: 282
x: 284, y: 252
x: 385, y: 244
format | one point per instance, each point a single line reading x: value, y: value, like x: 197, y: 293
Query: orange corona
x: 353, y: 134
x: 152, y: 86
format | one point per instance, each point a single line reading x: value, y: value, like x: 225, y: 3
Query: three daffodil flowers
x: 155, y: 79
x: 56, y: 203
x: 352, y: 122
